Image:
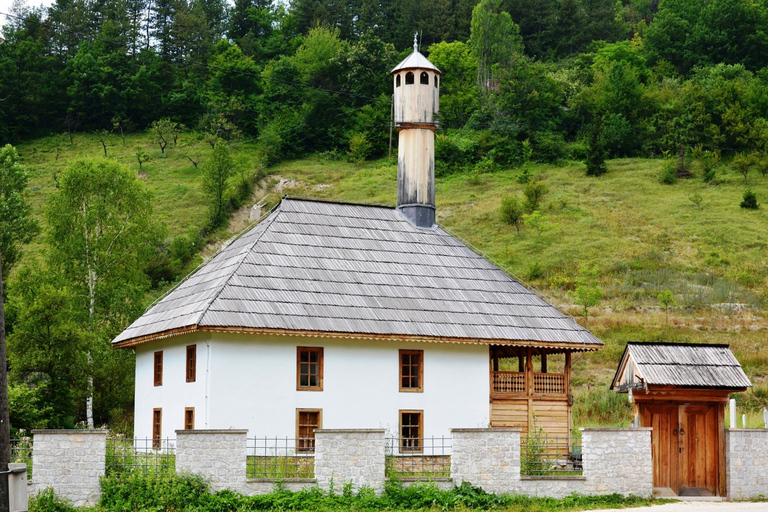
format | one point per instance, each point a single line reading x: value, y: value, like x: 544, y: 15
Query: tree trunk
x: 5, y: 427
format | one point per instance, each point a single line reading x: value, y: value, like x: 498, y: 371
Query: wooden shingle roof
x: 679, y: 364
x: 329, y: 269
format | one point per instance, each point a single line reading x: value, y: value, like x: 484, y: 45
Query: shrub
x: 668, y: 174
x: 512, y: 212
x: 47, y: 501
x: 359, y: 148
x: 453, y: 154
x: 749, y: 200
x: 534, y: 193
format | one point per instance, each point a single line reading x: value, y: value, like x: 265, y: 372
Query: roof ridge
x: 250, y: 246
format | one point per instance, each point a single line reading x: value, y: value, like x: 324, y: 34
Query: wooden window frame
x: 157, y: 368
x: 410, y: 389
x: 320, y: 365
x: 157, y: 428
x: 406, y: 447
x: 189, y: 418
x: 303, y: 445
x: 191, y: 363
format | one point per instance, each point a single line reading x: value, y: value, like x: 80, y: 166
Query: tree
x: 142, y: 156
x: 216, y: 175
x: 596, y: 153
x: 16, y: 228
x: 512, y: 212
x: 588, y: 294
x: 495, y: 40
x: 164, y: 131
x: 101, y: 236
x: 666, y: 299
x: 742, y: 164
x: 534, y: 193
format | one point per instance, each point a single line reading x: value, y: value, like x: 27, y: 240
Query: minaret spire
x: 416, y: 98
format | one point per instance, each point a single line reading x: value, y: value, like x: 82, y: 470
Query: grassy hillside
x: 640, y: 237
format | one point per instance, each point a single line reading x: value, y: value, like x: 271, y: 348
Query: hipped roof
x: 330, y: 269
x: 415, y: 61
x: 682, y: 364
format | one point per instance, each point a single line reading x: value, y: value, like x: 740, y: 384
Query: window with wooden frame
x: 411, y: 431
x: 307, y: 421
x: 157, y: 428
x: 191, y: 363
x: 189, y: 418
x: 412, y: 370
x: 158, y: 368
x: 309, y: 368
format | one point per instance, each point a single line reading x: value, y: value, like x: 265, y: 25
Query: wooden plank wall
x: 552, y: 416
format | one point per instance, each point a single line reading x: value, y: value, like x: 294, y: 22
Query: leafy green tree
x: 17, y: 226
x: 588, y: 293
x: 164, y: 132
x: 216, y: 174
x: 101, y: 238
x: 596, y: 153
x: 742, y: 164
x: 495, y: 40
x: 512, y: 212
x: 534, y: 193
x: 458, y: 92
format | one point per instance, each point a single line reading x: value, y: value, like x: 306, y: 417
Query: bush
x: 454, y: 154
x: 512, y: 212
x: 47, y: 501
x: 749, y: 200
x: 668, y: 174
x: 534, y: 193
x: 359, y: 148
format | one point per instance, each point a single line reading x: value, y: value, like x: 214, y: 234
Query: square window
x: 307, y: 421
x: 411, y: 431
x: 158, y: 370
x: 412, y: 370
x: 191, y: 363
x: 309, y: 369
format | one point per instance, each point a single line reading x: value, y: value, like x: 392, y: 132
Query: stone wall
x: 217, y: 455
x: 70, y: 462
x: 488, y: 458
x: 746, y: 463
x: 354, y: 457
x: 617, y: 460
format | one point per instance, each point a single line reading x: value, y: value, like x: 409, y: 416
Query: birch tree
x: 101, y: 232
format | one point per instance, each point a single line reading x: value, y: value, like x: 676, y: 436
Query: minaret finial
x: 416, y: 42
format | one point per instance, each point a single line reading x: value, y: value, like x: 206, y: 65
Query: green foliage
x: 534, y: 193
x: 142, y: 156
x: 495, y: 41
x: 17, y: 226
x: 454, y: 153
x: 697, y: 199
x: 512, y: 212
x: 668, y: 174
x: 459, y: 94
x: 596, y: 153
x: 216, y: 175
x: 749, y: 200
x: 27, y: 411
x: 742, y: 164
x: 359, y: 148
x: 47, y: 501
x: 164, y: 131
x: 539, y: 223
x: 588, y: 293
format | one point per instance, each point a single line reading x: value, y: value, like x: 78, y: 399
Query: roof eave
x: 574, y: 347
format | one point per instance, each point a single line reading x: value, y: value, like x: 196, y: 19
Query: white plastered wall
x: 251, y: 384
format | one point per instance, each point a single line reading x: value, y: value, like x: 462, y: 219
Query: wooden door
x: 664, y: 444
x: 699, y: 442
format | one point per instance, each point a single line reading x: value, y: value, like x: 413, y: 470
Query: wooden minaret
x: 416, y: 102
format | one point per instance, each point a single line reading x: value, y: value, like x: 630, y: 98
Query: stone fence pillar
x: 217, y: 455
x: 350, y: 456
x: 71, y: 462
x: 617, y: 460
x: 486, y: 457
x: 746, y: 463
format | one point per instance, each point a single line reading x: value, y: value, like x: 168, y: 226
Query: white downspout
x: 207, y: 380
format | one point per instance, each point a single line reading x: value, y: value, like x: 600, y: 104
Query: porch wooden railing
x: 549, y: 383
x: 509, y: 382
x: 543, y: 383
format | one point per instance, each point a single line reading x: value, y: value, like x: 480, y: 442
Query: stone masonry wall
x: 70, y: 462
x: 485, y: 457
x: 217, y: 455
x: 617, y: 460
x: 746, y: 463
x: 350, y: 456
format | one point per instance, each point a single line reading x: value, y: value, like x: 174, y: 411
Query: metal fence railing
x: 148, y: 457
x: 21, y: 452
x: 542, y: 454
x: 280, y: 457
x: 412, y: 457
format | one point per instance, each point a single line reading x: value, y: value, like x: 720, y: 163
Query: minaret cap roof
x: 415, y: 61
